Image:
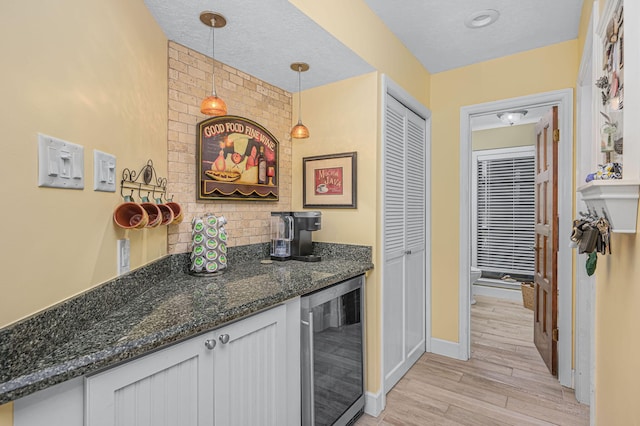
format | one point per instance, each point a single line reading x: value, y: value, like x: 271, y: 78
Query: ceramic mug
x: 130, y: 215
x: 153, y: 211
x: 178, y: 213
x: 165, y: 211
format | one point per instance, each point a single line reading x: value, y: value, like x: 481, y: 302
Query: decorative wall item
x: 329, y: 181
x: 236, y: 159
x: 611, y: 85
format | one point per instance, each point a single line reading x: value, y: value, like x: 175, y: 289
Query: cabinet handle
x: 224, y: 339
x: 210, y: 343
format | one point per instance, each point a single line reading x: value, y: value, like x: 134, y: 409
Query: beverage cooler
x: 332, y: 354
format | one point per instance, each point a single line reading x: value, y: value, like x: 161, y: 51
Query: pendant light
x: 299, y: 131
x: 213, y: 105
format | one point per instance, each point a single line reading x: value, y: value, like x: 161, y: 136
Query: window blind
x: 506, y: 212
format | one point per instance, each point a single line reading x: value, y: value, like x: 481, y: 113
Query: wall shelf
x: 616, y: 200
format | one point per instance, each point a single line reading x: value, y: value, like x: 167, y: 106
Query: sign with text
x: 236, y: 159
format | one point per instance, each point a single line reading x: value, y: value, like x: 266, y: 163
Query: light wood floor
x: 504, y: 383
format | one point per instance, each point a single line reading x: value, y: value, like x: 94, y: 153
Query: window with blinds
x: 505, y: 211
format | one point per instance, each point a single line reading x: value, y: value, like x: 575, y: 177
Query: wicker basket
x: 527, y: 295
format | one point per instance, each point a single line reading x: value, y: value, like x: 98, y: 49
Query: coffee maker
x: 294, y: 243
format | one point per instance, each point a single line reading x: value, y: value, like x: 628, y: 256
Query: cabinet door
x: 250, y: 371
x: 173, y: 386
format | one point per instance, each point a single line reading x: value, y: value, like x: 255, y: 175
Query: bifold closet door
x: 404, y: 241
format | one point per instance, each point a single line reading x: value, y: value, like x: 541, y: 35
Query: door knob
x: 210, y: 343
x: 224, y: 339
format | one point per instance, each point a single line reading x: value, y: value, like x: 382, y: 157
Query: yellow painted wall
x: 343, y: 117
x: 617, y: 342
x: 6, y: 414
x: 357, y: 27
x: 617, y: 309
x: 95, y: 74
x: 503, y: 137
x: 541, y: 70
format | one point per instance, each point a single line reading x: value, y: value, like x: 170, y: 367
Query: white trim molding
x: 446, y: 348
x: 373, y: 403
x: 564, y: 100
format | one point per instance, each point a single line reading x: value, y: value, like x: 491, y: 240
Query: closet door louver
x: 394, y: 179
x: 415, y: 182
x: 506, y: 207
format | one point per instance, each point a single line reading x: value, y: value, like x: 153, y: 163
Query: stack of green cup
x: 209, y: 244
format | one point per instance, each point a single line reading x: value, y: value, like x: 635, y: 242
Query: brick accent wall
x: 246, y: 96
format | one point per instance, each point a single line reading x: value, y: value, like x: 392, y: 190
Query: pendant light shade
x: 213, y: 105
x: 299, y: 131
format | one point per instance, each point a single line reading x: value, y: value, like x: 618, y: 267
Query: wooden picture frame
x: 330, y: 181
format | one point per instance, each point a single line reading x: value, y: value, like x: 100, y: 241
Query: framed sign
x: 237, y: 159
x: 329, y: 181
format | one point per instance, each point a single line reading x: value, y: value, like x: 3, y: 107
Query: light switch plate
x: 104, y: 171
x: 60, y: 163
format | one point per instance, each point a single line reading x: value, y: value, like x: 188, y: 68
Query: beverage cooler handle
x: 311, y: 372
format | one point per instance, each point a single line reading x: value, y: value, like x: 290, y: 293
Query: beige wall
x: 503, y: 137
x: 357, y: 27
x: 92, y: 73
x: 245, y: 96
x: 100, y: 83
x: 617, y: 343
x: 617, y: 309
x: 343, y: 117
x: 535, y: 71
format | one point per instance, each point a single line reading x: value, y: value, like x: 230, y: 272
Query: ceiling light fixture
x: 512, y: 117
x: 481, y: 18
x: 213, y: 105
x: 299, y: 131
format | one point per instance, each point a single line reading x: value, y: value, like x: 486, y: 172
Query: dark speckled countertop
x: 157, y: 305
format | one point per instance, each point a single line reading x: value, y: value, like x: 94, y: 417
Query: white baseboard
x: 445, y: 348
x: 497, y: 292
x: 373, y: 404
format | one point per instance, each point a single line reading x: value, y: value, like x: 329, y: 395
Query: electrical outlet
x: 124, y: 250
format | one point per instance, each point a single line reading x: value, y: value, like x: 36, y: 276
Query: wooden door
x: 546, y: 233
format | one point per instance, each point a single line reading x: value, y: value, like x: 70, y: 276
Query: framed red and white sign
x: 329, y: 181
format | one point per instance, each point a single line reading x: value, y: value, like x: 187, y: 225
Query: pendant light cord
x: 299, y: 96
x: 213, y: 51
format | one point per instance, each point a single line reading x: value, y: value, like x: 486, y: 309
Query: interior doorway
x: 564, y: 100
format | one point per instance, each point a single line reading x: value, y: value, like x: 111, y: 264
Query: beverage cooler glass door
x: 332, y: 354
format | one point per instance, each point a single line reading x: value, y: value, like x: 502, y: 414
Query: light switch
x: 104, y: 171
x: 60, y: 163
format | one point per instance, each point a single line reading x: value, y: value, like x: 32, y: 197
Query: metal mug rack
x: 145, y: 181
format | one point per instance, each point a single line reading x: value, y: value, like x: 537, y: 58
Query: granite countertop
x: 157, y: 305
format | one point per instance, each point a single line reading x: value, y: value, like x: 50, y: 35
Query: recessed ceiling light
x: 481, y: 18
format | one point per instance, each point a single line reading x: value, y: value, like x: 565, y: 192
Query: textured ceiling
x: 262, y: 38
x: 435, y: 32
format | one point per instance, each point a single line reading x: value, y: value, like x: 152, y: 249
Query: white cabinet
x: 245, y: 373
x: 235, y: 375
x: 404, y: 231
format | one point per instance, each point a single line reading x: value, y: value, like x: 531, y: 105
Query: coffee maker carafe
x: 281, y: 235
